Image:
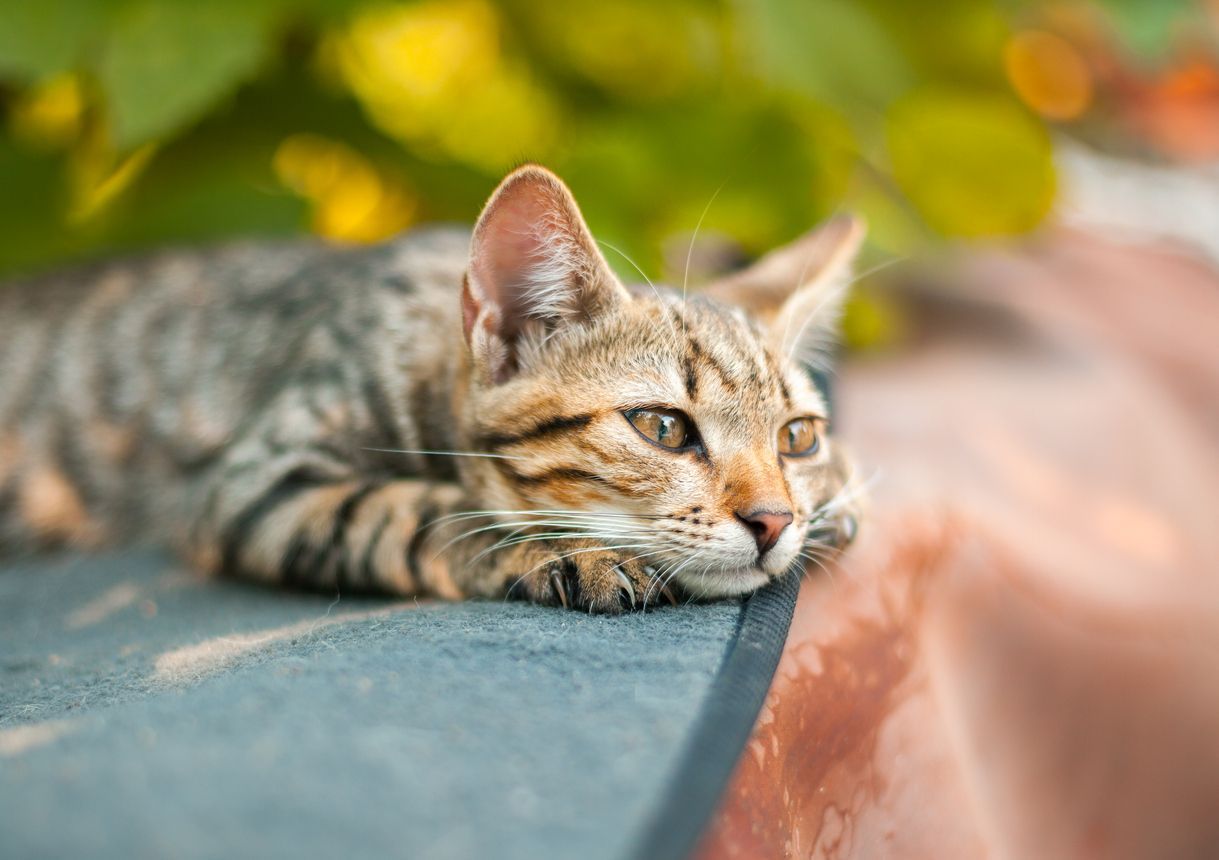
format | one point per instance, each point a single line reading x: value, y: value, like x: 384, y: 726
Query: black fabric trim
x: 724, y: 726
x: 727, y: 718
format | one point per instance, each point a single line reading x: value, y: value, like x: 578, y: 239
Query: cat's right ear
x: 534, y: 267
x: 798, y: 291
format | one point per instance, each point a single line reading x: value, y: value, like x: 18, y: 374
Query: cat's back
x: 132, y: 371
x: 106, y: 324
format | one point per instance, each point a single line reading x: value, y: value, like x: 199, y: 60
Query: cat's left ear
x: 798, y: 290
x: 534, y: 267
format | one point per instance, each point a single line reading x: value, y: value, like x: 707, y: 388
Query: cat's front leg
x: 577, y: 573
x: 315, y: 529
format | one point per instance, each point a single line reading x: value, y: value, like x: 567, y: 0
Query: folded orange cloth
x: 1020, y: 657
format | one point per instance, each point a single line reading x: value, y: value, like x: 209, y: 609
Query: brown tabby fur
x: 266, y: 407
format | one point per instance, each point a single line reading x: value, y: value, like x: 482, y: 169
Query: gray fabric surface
x: 147, y: 713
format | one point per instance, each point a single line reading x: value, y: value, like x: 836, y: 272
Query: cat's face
x: 679, y: 429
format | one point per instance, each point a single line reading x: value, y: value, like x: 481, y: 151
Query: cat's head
x: 686, y: 425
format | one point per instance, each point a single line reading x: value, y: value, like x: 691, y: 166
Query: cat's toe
x: 641, y: 586
x: 589, y: 578
x: 848, y: 528
x: 604, y: 582
x: 838, y: 532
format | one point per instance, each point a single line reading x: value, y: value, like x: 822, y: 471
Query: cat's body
x: 126, y: 384
x: 264, y: 407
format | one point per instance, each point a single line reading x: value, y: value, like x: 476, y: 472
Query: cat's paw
x: 845, y: 526
x: 839, y: 528
x: 578, y: 574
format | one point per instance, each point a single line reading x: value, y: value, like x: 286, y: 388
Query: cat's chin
x: 724, y: 583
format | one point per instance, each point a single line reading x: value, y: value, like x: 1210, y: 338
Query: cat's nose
x: 766, y: 527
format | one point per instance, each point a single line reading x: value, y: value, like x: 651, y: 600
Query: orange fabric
x: 1020, y: 657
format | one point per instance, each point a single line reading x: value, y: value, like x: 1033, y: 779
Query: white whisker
x: 685, y: 278
x: 642, y: 274
x: 444, y: 453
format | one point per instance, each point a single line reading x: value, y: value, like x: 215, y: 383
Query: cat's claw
x: 627, y: 587
x: 560, y: 589
x: 661, y: 587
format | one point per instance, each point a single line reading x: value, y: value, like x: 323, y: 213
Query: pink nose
x: 766, y: 527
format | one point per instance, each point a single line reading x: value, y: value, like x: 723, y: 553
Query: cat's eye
x: 666, y: 427
x: 799, y: 438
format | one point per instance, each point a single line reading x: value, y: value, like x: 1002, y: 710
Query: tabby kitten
x: 443, y: 415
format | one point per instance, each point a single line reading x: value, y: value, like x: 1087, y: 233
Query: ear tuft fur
x: 534, y: 267
x: 799, y: 290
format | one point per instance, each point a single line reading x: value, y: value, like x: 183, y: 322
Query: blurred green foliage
x: 129, y: 123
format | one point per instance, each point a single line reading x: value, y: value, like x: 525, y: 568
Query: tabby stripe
x: 698, y: 355
x: 382, y: 413
x: 773, y: 367
x: 306, y: 561
x: 73, y: 462
x: 343, y: 516
x: 562, y: 424
x: 8, y: 504
x: 368, y: 573
x: 551, y: 476
x: 291, y: 485
x: 427, y: 515
x: 702, y: 356
x: 292, y: 566
x: 563, y: 474
x: 399, y: 283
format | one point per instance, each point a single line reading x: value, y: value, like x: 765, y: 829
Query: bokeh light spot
x: 1048, y: 74
x: 433, y: 75
x: 51, y: 113
x: 351, y: 200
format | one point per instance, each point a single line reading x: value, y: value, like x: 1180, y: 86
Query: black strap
x: 733, y: 703
x: 727, y: 719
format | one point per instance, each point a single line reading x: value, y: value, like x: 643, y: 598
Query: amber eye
x: 665, y: 427
x: 799, y: 438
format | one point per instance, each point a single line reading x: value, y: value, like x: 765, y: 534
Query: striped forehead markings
x: 776, y: 374
x: 753, y: 369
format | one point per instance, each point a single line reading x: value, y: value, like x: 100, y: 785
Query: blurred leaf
x: 39, y: 38
x: 673, y: 45
x: 830, y: 50
x: 166, y: 63
x: 870, y: 321
x: 433, y: 74
x: 34, y: 198
x: 973, y: 165
x: 949, y: 41
x: 750, y: 118
x: 1149, y: 27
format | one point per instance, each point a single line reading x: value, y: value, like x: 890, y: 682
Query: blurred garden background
x: 133, y: 123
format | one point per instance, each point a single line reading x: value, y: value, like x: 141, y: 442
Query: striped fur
x: 267, y: 407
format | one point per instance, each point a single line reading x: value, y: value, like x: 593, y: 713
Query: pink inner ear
x: 510, y: 260
x: 469, y: 309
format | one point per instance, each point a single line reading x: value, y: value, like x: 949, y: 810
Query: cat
x: 448, y: 414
